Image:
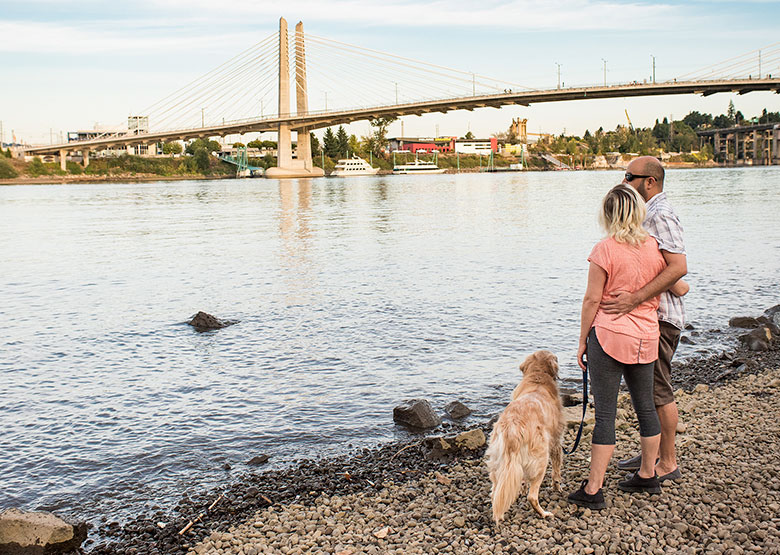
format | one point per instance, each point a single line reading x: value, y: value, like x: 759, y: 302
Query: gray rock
x: 758, y: 339
x: 687, y: 340
x: 258, y: 460
x: 416, y: 413
x: 36, y: 533
x: 203, y: 321
x: 744, y: 322
x: 457, y: 410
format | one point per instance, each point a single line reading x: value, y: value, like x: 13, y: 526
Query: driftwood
x: 405, y: 448
x: 200, y: 516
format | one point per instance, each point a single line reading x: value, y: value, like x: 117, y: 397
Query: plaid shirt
x: 661, y: 222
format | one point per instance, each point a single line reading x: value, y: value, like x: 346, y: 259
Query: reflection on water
x: 352, y: 294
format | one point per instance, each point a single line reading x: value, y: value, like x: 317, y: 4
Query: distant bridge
x: 304, y: 120
x: 755, y: 145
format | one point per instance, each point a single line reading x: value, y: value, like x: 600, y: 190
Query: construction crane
x: 630, y: 125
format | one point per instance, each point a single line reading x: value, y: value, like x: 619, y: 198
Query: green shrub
x: 7, y: 171
x: 36, y: 168
x: 74, y: 168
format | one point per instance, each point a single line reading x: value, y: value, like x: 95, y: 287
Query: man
x: 646, y: 175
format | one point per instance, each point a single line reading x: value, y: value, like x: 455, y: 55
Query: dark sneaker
x: 675, y: 476
x: 595, y: 501
x: 634, y: 483
x: 634, y: 463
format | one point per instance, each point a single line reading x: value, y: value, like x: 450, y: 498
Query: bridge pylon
x: 286, y: 165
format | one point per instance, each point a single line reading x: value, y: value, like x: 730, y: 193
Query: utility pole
x: 605, y: 71
x: 653, y: 57
x: 559, y: 74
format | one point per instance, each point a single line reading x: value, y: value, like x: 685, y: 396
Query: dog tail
x: 506, y: 470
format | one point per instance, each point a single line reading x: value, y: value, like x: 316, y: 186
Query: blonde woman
x: 620, y: 346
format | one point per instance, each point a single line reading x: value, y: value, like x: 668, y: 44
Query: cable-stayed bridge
x: 252, y: 92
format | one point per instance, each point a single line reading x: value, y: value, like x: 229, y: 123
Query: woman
x: 621, y: 346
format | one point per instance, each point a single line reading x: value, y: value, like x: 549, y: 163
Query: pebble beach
x: 397, y: 498
x: 727, y: 502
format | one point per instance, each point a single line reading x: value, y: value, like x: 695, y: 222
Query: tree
x: 380, y: 125
x: 201, y: 159
x: 315, y: 144
x: 238, y: 145
x: 698, y: 121
x: 354, y: 146
x: 342, y: 141
x: 468, y: 136
x: 208, y: 145
x: 731, y: 113
x: 36, y: 168
x: 329, y: 144
x: 172, y: 147
x: 257, y: 143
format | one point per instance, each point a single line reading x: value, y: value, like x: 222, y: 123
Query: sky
x: 70, y: 65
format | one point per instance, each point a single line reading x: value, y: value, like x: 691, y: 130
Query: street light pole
x: 653, y: 57
x: 559, y: 74
x: 605, y: 71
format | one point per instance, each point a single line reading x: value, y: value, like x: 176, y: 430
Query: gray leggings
x: 605, y: 373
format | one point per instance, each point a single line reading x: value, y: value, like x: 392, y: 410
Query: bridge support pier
x: 302, y: 165
x: 85, y: 156
x: 63, y: 160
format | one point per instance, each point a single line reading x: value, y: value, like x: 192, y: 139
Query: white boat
x: 353, y: 166
x: 418, y: 166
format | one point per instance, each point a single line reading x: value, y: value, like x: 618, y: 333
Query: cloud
x: 180, y: 24
x: 91, y: 38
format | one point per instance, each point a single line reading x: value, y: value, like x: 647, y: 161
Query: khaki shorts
x: 663, y: 394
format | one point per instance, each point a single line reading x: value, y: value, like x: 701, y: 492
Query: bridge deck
x: 316, y: 120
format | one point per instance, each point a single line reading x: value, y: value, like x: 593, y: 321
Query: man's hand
x: 620, y: 302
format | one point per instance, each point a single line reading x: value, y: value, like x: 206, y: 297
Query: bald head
x: 648, y: 165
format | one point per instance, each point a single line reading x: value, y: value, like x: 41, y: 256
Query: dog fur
x: 526, y: 435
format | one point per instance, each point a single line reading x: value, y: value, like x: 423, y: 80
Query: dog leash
x: 584, y: 409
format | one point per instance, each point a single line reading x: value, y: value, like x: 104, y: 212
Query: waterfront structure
x: 477, y: 146
x: 422, y: 144
x: 744, y: 145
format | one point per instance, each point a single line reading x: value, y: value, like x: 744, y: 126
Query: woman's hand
x: 581, y: 356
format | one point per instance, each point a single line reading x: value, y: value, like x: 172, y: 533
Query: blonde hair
x: 622, y: 213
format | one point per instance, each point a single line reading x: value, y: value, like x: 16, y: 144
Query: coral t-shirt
x: 629, y: 338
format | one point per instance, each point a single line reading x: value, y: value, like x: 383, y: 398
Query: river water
x: 352, y: 295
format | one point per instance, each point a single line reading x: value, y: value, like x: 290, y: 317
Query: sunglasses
x: 630, y: 176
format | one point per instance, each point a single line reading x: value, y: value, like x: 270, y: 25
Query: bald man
x: 646, y: 175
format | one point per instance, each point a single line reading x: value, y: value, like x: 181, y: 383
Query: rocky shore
x: 397, y: 498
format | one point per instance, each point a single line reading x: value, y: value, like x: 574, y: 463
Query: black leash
x: 584, y: 409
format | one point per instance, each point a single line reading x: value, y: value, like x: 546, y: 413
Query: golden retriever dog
x: 526, y: 435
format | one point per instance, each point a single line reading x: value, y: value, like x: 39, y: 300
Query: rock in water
x: 203, y: 321
x: 416, y: 413
x: 259, y: 459
x: 758, y: 339
x: 34, y: 533
x: 456, y: 410
x: 743, y: 322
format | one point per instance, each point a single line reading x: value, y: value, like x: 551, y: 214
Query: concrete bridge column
x: 286, y: 166
x: 63, y: 160
x: 85, y: 155
x: 756, y: 159
x: 774, y: 153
